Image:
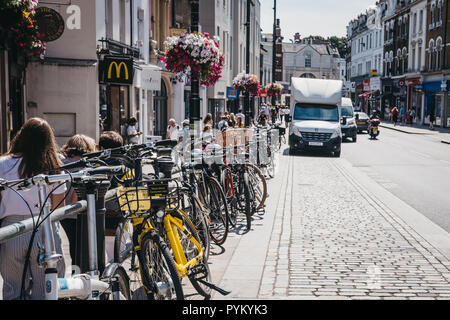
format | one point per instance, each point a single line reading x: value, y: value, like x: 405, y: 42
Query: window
x: 316, y: 112
x: 368, y: 66
x: 307, y: 60
x: 420, y: 20
x: 413, y: 60
x: 430, y: 54
x: 415, y: 23
x: 360, y: 66
x: 438, y: 53
x: 419, y: 58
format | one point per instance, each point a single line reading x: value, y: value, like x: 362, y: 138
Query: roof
x: 323, y: 49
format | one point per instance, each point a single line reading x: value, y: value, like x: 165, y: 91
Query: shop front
x: 115, y: 90
x: 415, y: 100
x: 435, y: 101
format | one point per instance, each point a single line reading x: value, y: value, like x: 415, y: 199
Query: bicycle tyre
x: 261, y: 195
x: 198, y: 286
x: 119, y: 238
x: 248, y: 200
x: 163, y: 264
x: 124, y: 286
x: 226, y: 180
x: 218, y: 228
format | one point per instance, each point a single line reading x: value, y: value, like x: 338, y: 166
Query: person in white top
x: 172, y: 130
x: 132, y: 133
x: 33, y: 151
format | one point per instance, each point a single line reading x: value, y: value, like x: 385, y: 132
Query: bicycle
x: 113, y: 283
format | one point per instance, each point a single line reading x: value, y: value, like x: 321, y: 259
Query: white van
x: 315, y: 111
x: 348, y: 126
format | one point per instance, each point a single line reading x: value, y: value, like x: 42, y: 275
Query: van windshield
x: 321, y: 112
x: 347, y: 111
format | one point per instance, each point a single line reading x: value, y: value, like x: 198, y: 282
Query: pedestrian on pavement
x: 73, y: 150
x: 432, y: 117
x: 184, y: 131
x: 239, y: 122
x: 232, y: 120
x: 132, y: 133
x: 208, y: 120
x: 33, y: 151
x: 395, y: 114
x: 402, y: 114
x: 412, y: 115
x: 240, y: 115
x: 262, y: 120
x: 172, y: 130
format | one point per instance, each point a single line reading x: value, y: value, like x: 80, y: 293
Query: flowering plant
x: 247, y: 82
x: 18, y: 30
x: 194, y: 52
x: 274, y: 89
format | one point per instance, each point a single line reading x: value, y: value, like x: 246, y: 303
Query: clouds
x: 312, y: 17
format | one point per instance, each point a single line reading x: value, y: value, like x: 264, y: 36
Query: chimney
x: 297, y: 38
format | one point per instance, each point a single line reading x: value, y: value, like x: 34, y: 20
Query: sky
x: 312, y: 17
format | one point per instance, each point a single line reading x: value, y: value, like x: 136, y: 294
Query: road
x: 415, y: 168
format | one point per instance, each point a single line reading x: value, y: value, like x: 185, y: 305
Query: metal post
x: 247, y: 65
x: 194, y: 105
x: 274, y: 49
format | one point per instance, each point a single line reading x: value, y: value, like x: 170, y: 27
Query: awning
x: 366, y: 94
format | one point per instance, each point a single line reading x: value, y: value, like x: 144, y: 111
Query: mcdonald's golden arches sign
x: 118, y: 70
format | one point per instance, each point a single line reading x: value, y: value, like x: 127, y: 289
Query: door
x: 160, y: 110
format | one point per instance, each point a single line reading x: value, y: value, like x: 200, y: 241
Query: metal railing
x: 19, y: 228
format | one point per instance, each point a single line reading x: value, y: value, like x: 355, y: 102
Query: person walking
x: 33, y: 151
x: 132, y: 133
x: 402, y: 114
x: 172, y: 130
x: 432, y: 117
x: 395, y: 114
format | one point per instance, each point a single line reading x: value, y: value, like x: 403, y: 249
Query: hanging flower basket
x: 194, y: 52
x: 18, y: 30
x: 247, y: 83
x: 274, y: 89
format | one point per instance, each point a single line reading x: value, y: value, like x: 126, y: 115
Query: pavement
x: 332, y: 232
x: 442, y: 134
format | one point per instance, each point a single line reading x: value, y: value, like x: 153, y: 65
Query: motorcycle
x: 374, y: 130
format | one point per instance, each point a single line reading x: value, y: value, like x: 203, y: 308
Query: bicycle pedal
x: 198, y: 272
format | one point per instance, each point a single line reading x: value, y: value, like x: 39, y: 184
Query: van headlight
x: 350, y: 122
x: 296, y: 131
x: 336, y: 134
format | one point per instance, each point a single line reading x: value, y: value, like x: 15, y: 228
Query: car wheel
x: 337, y: 154
x: 355, y: 138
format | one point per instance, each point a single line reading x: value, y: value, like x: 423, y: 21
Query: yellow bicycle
x: 153, y: 219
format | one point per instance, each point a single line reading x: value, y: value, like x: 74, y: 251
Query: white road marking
x: 422, y: 154
x: 445, y: 161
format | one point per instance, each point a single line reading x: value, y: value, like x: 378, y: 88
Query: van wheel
x: 354, y: 139
x: 337, y: 154
x: 291, y: 151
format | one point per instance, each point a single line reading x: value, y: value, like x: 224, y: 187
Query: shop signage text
x: 50, y: 23
x: 232, y: 93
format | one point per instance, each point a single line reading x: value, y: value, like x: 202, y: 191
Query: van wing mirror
x: 344, y: 121
x: 357, y: 116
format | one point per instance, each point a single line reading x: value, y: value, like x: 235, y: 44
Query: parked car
x: 362, y: 121
x: 348, y: 123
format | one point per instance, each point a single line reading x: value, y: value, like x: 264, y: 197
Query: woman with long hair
x: 33, y: 151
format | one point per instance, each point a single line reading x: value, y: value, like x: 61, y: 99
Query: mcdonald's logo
x: 118, y: 70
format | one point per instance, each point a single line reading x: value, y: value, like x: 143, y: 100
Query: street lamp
x: 194, y: 105
x: 274, y: 50
x: 247, y: 65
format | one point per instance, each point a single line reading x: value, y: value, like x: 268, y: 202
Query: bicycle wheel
x: 248, y: 200
x: 259, y: 183
x: 124, y: 286
x: 123, y: 241
x: 191, y: 251
x: 158, y: 268
x: 196, y: 214
x: 218, y: 226
x: 271, y: 166
x: 226, y: 180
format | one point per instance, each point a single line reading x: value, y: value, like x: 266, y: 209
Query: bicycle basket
x: 134, y: 199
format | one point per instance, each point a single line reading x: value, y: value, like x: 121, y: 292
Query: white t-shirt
x: 11, y: 204
x: 173, y: 132
x: 132, y: 130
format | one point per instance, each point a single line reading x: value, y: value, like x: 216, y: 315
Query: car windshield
x: 347, y: 111
x: 305, y: 111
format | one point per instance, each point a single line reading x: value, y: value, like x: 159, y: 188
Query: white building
x: 310, y: 59
x: 82, y: 78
